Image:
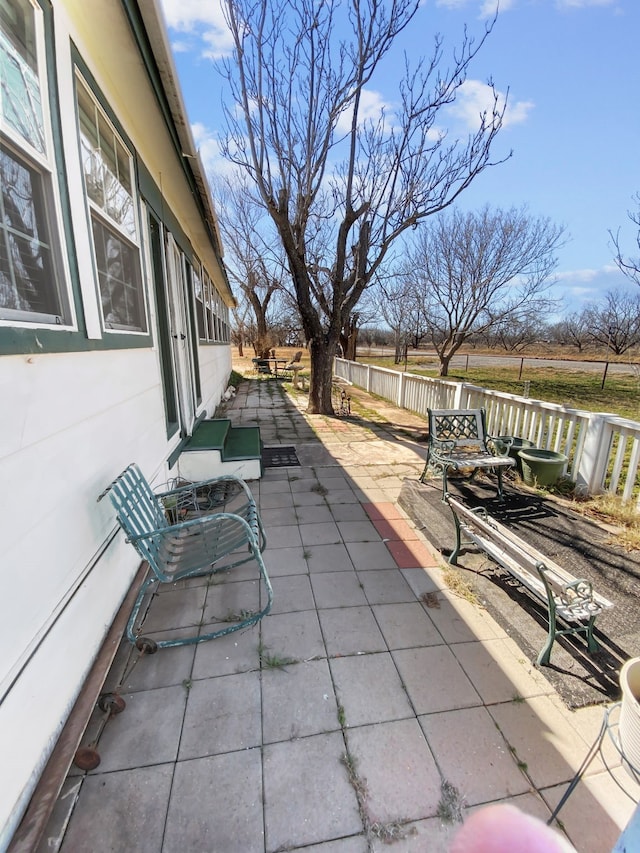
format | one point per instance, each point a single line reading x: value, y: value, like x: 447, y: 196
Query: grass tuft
x: 459, y: 585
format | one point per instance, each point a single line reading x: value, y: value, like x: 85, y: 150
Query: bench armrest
x: 443, y: 446
x: 499, y: 446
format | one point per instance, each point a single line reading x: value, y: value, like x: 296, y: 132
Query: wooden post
x: 604, y: 375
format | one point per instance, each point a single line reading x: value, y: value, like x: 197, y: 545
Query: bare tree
x: 253, y: 265
x: 298, y: 127
x: 629, y: 266
x: 477, y: 271
x: 615, y: 323
x: 572, y: 329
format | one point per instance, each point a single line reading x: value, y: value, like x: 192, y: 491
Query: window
x: 107, y: 167
x: 32, y: 282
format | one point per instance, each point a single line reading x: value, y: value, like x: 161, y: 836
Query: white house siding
x: 71, y: 421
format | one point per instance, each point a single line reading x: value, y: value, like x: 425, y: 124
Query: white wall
x: 70, y: 423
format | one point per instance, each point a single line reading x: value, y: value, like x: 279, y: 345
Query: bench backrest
x: 464, y: 426
x: 137, y: 508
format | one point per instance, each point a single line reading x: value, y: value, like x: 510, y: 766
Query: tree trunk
x: 444, y: 364
x: 322, y: 353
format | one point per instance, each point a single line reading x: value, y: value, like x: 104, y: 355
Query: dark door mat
x: 279, y: 457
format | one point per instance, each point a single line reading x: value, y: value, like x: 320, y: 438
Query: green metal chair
x: 196, y: 529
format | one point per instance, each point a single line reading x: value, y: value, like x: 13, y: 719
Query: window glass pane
x: 106, y: 165
x: 119, y: 279
x: 27, y: 274
x: 20, y: 103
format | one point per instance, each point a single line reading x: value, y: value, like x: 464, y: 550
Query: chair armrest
x: 190, y: 488
x: 202, y: 521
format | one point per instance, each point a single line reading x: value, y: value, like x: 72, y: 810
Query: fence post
x: 400, y: 401
x: 457, y: 396
x: 368, y: 383
x: 595, y: 455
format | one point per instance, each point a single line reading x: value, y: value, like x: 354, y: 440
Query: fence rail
x: 603, y: 450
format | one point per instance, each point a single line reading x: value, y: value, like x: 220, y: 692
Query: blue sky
x: 573, y: 123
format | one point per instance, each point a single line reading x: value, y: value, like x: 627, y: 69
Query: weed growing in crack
x: 272, y: 661
x: 451, y: 805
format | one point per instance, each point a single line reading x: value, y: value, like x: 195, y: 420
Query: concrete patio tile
x: 347, y: 511
x: 298, y: 700
x: 272, y: 486
x: 351, y: 631
x: 370, y: 555
x: 434, y: 680
x: 358, y: 531
x: 411, y: 554
x: 293, y: 635
x: 278, y: 517
x: 406, y: 625
x: 333, y: 481
x: 164, y: 668
x: 328, y: 558
x: 308, y: 499
x: 369, y: 689
x: 595, y: 814
x: 285, y: 561
x: 402, y: 779
x: 313, y: 514
x: 354, y: 844
x: 383, y: 510
x: 336, y: 497
x: 473, y: 756
x: 284, y: 536
x: 421, y: 581
x: 291, y: 593
x: 395, y: 528
x: 308, y: 798
x: 232, y: 821
x: 421, y: 836
x: 232, y: 653
x: 175, y: 608
x: 323, y: 533
x: 542, y: 738
x: 497, y: 674
x: 125, y: 810
x: 227, y: 599
x: 275, y: 500
x: 462, y: 622
x: 304, y: 483
x: 146, y: 732
x: 337, y: 589
x: 385, y: 586
x: 223, y: 715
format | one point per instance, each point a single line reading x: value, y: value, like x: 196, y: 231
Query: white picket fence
x: 603, y: 450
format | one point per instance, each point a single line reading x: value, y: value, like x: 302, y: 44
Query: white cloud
x: 586, y: 275
x: 372, y: 105
x: 208, y: 146
x: 584, y: 4
x: 475, y: 98
x: 200, y: 19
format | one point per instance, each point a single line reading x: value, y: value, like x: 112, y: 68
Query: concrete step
x: 217, y: 448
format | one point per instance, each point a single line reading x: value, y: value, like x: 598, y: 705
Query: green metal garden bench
x: 569, y: 599
x: 458, y: 440
x: 192, y: 530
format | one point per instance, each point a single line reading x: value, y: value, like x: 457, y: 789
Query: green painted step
x: 242, y: 443
x: 209, y: 435
x: 232, y: 442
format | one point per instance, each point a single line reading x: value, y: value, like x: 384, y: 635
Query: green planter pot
x: 541, y: 467
x: 518, y: 445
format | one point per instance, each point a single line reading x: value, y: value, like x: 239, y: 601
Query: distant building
x: 114, y: 336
